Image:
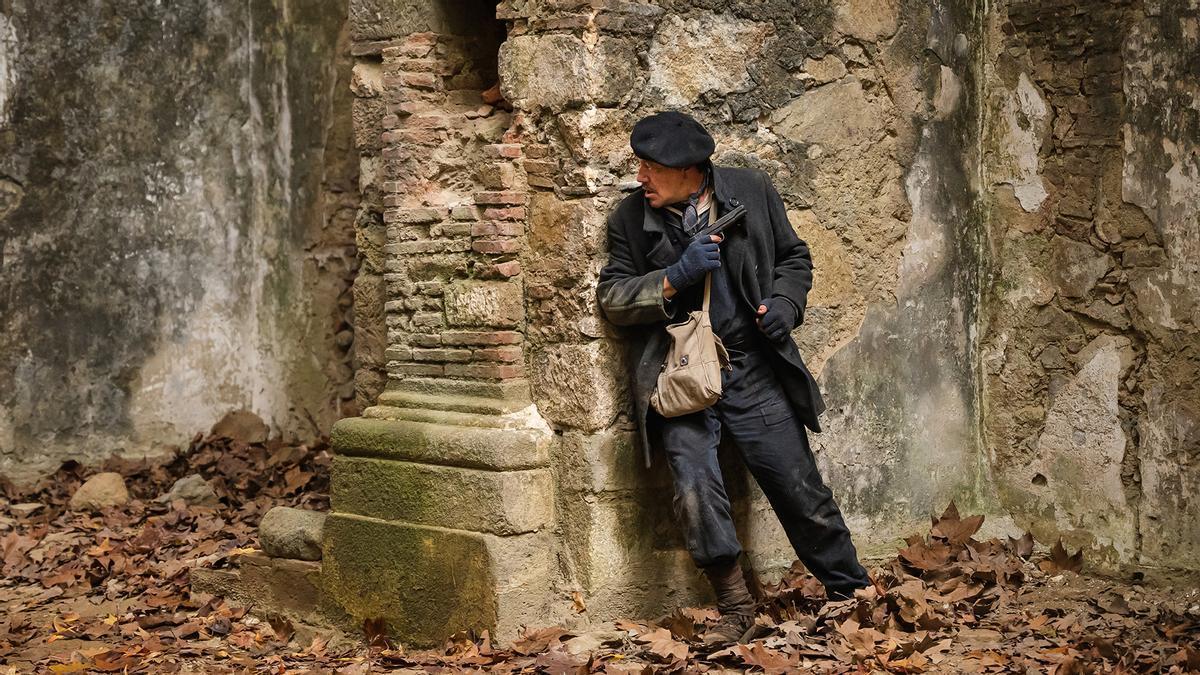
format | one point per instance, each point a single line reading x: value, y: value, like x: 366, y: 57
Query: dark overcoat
x: 766, y: 259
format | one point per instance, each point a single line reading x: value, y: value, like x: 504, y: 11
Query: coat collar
x: 662, y: 253
x: 652, y: 220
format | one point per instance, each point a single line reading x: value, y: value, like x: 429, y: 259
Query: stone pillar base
x: 430, y: 582
x: 442, y: 510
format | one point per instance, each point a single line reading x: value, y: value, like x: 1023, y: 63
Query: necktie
x: 691, y: 213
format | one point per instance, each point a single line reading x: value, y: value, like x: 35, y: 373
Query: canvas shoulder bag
x: 690, y: 379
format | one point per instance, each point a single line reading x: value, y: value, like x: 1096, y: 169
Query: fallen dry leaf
x: 661, y: 643
x: 1059, y: 561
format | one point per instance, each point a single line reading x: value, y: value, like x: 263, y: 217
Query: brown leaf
x: 1022, y: 547
x: 558, y: 662
x: 1059, y: 561
x: 220, y: 626
x: 770, y: 660
x: 862, y: 640
x: 634, y: 628
x: 282, y: 627
x: 152, y: 621
x: 924, y: 556
x: 681, y: 625
x: 537, y: 641
x: 954, y: 529
x: 662, y: 644
x: 112, y: 661
x: 909, y: 601
x: 376, y: 631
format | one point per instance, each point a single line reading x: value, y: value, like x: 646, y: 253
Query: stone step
x: 271, y: 586
x: 437, y: 416
x: 481, y: 405
x: 445, y: 443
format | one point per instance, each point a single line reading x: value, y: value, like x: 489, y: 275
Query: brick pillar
x: 442, y: 499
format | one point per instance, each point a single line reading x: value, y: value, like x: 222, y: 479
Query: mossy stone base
x: 425, y: 582
x: 498, y: 502
x: 443, y: 443
x: 428, y: 583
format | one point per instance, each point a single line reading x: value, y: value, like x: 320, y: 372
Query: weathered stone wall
x: 864, y: 115
x: 988, y: 243
x: 1090, y: 320
x: 177, y: 199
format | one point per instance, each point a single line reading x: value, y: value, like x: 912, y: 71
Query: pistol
x: 732, y: 218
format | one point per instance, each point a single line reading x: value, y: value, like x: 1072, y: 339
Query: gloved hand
x: 701, y: 256
x: 776, y: 318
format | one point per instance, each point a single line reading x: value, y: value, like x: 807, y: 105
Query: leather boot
x: 734, y: 602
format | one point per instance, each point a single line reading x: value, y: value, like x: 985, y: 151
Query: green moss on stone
x: 425, y: 582
x: 498, y: 502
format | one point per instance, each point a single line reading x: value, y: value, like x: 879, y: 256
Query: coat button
x: 734, y: 202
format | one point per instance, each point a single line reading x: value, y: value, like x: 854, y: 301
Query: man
x: 761, y: 273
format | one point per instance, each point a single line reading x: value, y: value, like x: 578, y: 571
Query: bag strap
x: 712, y: 218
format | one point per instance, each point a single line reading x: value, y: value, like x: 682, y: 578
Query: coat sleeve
x: 626, y: 297
x: 793, y: 264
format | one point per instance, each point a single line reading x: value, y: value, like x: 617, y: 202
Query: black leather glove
x: 701, y: 256
x: 776, y: 318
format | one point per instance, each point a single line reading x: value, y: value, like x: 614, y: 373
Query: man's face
x: 666, y: 185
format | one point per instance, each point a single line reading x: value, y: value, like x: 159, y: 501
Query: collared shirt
x: 731, y: 320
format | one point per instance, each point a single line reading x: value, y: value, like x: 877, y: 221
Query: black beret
x: 672, y: 139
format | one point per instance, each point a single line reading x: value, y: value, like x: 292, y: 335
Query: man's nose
x: 642, y: 176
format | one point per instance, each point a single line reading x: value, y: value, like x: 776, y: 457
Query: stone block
x: 269, y: 585
x: 836, y: 116
x: 628, y: 556
x: 826, y: 69
x: 561, y: 70
x: 511, y: 396
x: 1077, y: 267
x: 497, y: 502
x: 486, y: 371
x: 489, y: 338
x: 383, y: 19
x: 680, y: 73
x: 101, y: 491
x: 598, y: 137
x: 561, y: 231
x: 427, y: 583
x: 192, y: 489
x: 580, y: 386
x: 405, y: 440
x: 495, y: 304
x: 867, y: 20
x: 607, y: 461
x: 296, y: 534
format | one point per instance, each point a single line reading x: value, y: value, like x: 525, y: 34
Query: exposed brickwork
x: 453, y: 197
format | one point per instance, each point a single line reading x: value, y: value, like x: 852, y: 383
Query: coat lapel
x: 662, y: 253
x: 737, y: 238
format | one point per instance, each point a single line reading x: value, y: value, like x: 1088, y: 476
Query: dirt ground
x: 109, y: 592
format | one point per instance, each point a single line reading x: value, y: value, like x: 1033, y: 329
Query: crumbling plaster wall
x: 176, y: 223
x: 1090, y: 317
x: 864, y: 114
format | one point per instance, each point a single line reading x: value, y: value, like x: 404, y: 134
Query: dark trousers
x: 774, y: 445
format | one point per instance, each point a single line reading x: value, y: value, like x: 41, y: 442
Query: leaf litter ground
x: 109, y: 592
